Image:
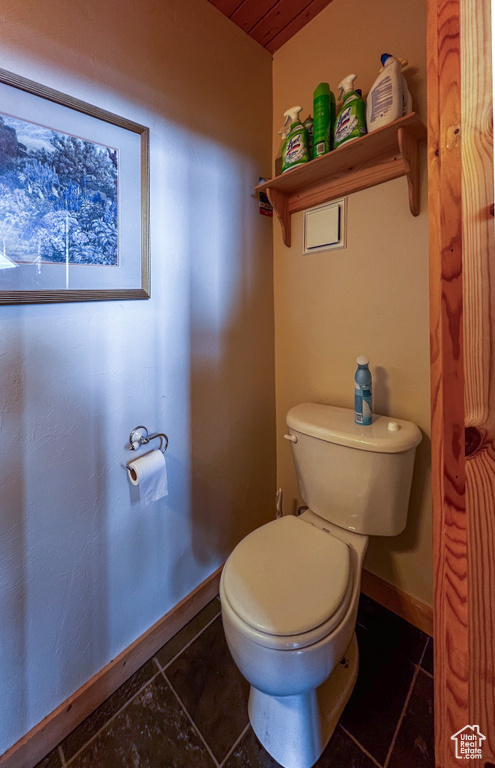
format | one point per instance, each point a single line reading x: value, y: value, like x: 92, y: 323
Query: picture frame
x: 74, y: 199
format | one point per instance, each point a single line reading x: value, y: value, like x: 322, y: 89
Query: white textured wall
x: 84, y: 569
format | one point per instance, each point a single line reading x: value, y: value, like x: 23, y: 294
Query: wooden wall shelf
x: 383, y: 155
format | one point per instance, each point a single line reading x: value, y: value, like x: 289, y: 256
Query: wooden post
x: 447, y: 377
x: 479, y: 355
x: 462, y: 257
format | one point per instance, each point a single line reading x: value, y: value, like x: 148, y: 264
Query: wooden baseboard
x: 405, y: 606
x: 55, y: 727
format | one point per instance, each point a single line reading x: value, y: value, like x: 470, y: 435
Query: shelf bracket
x: 408, y: 148
x: 382, y: 155
x: 280, y: 204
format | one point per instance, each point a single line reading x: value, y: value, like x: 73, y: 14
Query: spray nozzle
x: 346, y: 85
x: 292, y: 115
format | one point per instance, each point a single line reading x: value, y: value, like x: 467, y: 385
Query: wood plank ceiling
x: 270, y: 22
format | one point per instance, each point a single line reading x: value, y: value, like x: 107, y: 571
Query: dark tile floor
x: 187, y: 707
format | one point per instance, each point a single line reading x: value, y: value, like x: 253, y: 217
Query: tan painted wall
x: 372, y: 297
x: 85, y: 567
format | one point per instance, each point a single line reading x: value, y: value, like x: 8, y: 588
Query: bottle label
x: 364, y: 390
x: 320, y: 148
x: 296, y: 149
x: 308, y: 124
x: 363, y: 408
x: 346, y: 123
x: 382, y: 99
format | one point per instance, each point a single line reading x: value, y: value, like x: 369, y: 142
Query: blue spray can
x: 363, y: 406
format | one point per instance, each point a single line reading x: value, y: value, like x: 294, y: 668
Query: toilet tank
x: 356, y: 477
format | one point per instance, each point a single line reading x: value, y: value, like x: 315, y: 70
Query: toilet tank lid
x: 337, y: 425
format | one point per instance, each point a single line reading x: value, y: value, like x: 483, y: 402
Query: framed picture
x: 74, y: 199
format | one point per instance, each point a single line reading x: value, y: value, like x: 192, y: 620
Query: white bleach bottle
x: 385, y: 99
x: 406, y: 96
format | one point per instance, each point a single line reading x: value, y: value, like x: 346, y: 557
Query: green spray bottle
x: 280, y: 153
x: 351, y: 122
x: 309, y: 125
x: 324, y: 119
x: 296, y: 144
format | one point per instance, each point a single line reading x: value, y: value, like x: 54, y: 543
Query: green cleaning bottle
x: 351, y: 122
x: 324, y: 119
x: 280, y: 152
x: 309, y: 125
x: 296, y: 144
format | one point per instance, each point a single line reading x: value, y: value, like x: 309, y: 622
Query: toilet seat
x: 288, y: 583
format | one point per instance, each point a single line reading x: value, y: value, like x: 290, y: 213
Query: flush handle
x: 292, y: 438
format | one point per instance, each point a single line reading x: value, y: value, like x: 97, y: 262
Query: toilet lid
x: 287, y: 577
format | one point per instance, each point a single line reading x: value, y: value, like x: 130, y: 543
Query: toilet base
x: 295, y: 730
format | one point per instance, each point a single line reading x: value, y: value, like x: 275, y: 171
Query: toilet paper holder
x: 140, y: 436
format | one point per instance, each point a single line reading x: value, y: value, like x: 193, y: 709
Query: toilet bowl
x: 295, y: 700
x: 290, y: 589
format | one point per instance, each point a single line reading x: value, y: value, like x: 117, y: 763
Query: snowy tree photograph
x: 58, y: 197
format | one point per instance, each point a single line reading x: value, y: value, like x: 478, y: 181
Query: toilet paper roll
x: 149, y: 473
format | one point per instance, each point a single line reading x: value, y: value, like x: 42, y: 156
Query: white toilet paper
x: 150, y: 474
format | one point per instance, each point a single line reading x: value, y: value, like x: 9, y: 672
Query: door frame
x: 462, y: 260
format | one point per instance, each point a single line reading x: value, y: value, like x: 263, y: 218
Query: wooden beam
x: 227, y: 7
x: 248, y: 14
x: 297, y: 23
x: 279, y: 16
x: 479, y: 354
x: 447, y: 377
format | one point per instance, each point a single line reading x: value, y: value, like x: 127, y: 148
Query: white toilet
x: 290, y: 589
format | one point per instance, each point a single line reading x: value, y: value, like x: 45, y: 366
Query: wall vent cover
x: 325, y: 226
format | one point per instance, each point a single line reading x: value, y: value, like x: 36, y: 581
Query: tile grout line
x: 159, y: 670
x: 428, y: 674
x: 187, y: 644
x: 61, y: 756
x: 195, y: 727
x: 403, y: 653
x: 401, y: 718
x: 65, y: 764
x: 94, y: 736
x: 220, y: 764
x: 234, y: 745
x: 424, y: 651
x: 374, y: 760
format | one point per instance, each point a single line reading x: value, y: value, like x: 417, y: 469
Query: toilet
x: 290, y: 589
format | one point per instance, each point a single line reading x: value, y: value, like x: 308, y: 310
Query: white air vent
x: 325, y: 226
